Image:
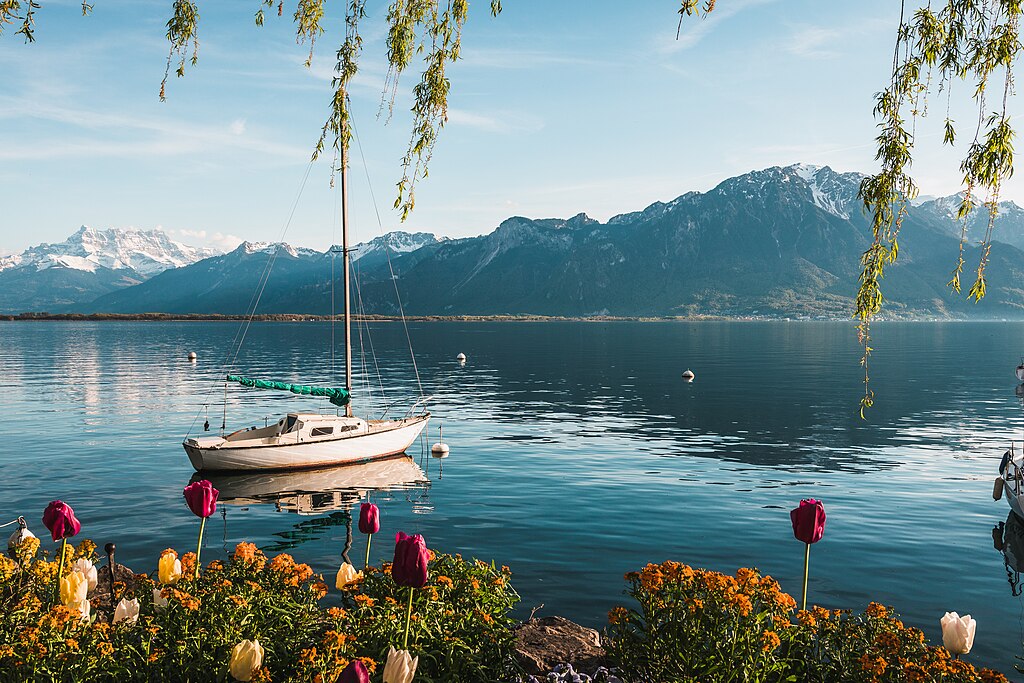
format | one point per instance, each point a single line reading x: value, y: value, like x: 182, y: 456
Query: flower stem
x: 408, y: 620
x: 60, y: 569
x: 199, y: 545
x: 807, y: 561
x: 369, y: 537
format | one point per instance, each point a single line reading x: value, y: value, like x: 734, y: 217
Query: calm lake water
x: 577, y: 452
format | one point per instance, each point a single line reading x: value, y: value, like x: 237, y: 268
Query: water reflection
x: 332, y: 491
x: 313, y: 492
x: 1008, y: 538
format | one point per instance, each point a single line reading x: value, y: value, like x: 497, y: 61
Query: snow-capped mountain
x: 147, y: 252
x: 88, y: 264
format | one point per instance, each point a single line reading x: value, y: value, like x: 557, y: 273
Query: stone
x: 545, y: 642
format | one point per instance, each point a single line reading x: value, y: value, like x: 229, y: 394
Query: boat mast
x: 345, y: 264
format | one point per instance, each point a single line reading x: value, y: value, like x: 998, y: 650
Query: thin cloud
x: 160, y: 137
x: 695, y: 29
x: 500, y: 123
x: 815, y: 42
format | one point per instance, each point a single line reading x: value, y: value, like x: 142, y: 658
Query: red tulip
x: 369, y: 518
x: 60, y: 519
x: 201, y: 498
x: 808, y: 521
x: 411, y: 557
x: 355, y: 672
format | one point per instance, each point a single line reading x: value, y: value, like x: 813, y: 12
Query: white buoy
x: 461, y: 358
x: 19, y: 536
x: 440, y: 449
x: 688, y: 375
x: 192, y: 355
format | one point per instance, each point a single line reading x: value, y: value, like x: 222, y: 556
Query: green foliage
x: 461, y: 629
x: 696, y: 625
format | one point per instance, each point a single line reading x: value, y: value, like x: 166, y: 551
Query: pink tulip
x: 355, y: 672
x: 60, y: 519
x: 201, y: 498
x: 808, y: 521
x: 411, y: 557
x: 369, y: 518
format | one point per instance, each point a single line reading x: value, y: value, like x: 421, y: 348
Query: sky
x: 556, y: 108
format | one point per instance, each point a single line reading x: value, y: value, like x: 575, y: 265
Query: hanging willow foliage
x: 431, y: 28
x: 966, y: 41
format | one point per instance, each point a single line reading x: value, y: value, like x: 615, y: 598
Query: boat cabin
x: 301, y: 428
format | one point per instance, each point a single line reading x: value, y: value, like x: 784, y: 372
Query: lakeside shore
x: 299, y: 317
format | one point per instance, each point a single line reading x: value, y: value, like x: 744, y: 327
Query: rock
x: 100, y: 596
x: 545, y: 642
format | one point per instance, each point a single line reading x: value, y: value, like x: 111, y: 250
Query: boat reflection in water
x: 329, y: 494
x: 313, y: 492
x: 1008, y: 538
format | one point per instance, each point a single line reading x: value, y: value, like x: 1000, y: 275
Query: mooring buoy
x: 192, y: 355
x: 688, y: 375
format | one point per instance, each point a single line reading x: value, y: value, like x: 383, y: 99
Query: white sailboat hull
x: 381, y: 440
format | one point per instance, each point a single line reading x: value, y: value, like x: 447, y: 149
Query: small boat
x: 1010, y: 483
x: 305, y: 439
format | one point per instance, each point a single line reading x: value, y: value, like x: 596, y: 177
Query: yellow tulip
x: 347, y: 575
x: 246, y: 657
x: 88, y: 570
x: 169, y: 569
x: 74, y: 588
x: 401, y: 666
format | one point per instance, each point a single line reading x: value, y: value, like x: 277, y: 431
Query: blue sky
x: 557, y: 108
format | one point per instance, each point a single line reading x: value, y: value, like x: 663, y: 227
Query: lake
x: 577, y: 452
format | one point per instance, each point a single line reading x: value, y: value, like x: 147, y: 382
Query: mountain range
x: 783, y: 241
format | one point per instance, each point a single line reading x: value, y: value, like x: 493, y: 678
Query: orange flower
x: 806, y: 618
x: 876, y: 611
x: 769, y: 641
x: 445, y: 581
x: 364, y: 600
x: 873, y: 665
x: 617, y: 615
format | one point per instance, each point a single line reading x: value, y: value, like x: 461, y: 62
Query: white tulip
x: 88, y: 569
x: 83, y: 607
x: 958, y: 633
x: 347, y: 574
x: 127, y: 610
x: 246, y: 657
x: 159, y: 601
x: 401, y: 666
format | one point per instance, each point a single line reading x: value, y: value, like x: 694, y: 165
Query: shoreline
x: 298, y: 317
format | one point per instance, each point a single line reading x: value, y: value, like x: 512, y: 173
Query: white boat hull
x: 391, y: 439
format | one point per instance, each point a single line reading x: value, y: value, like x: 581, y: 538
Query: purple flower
x: 60, y: 519
x: 808, y: 521
x: 411, y: 557
x: 369, y: 518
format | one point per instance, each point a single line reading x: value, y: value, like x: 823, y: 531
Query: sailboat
x: 303, y: 440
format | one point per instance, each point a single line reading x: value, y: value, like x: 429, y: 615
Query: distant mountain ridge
x: 89, y: 263
x: 781, y: 242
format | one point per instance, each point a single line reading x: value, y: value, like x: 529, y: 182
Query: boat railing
x: 418, y: 407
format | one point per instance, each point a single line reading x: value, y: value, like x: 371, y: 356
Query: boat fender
x: 19, y: 536
x: 997, y: 490
x: 1004, y: 463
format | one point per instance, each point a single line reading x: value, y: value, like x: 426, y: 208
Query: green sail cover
x: 338, y: 397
